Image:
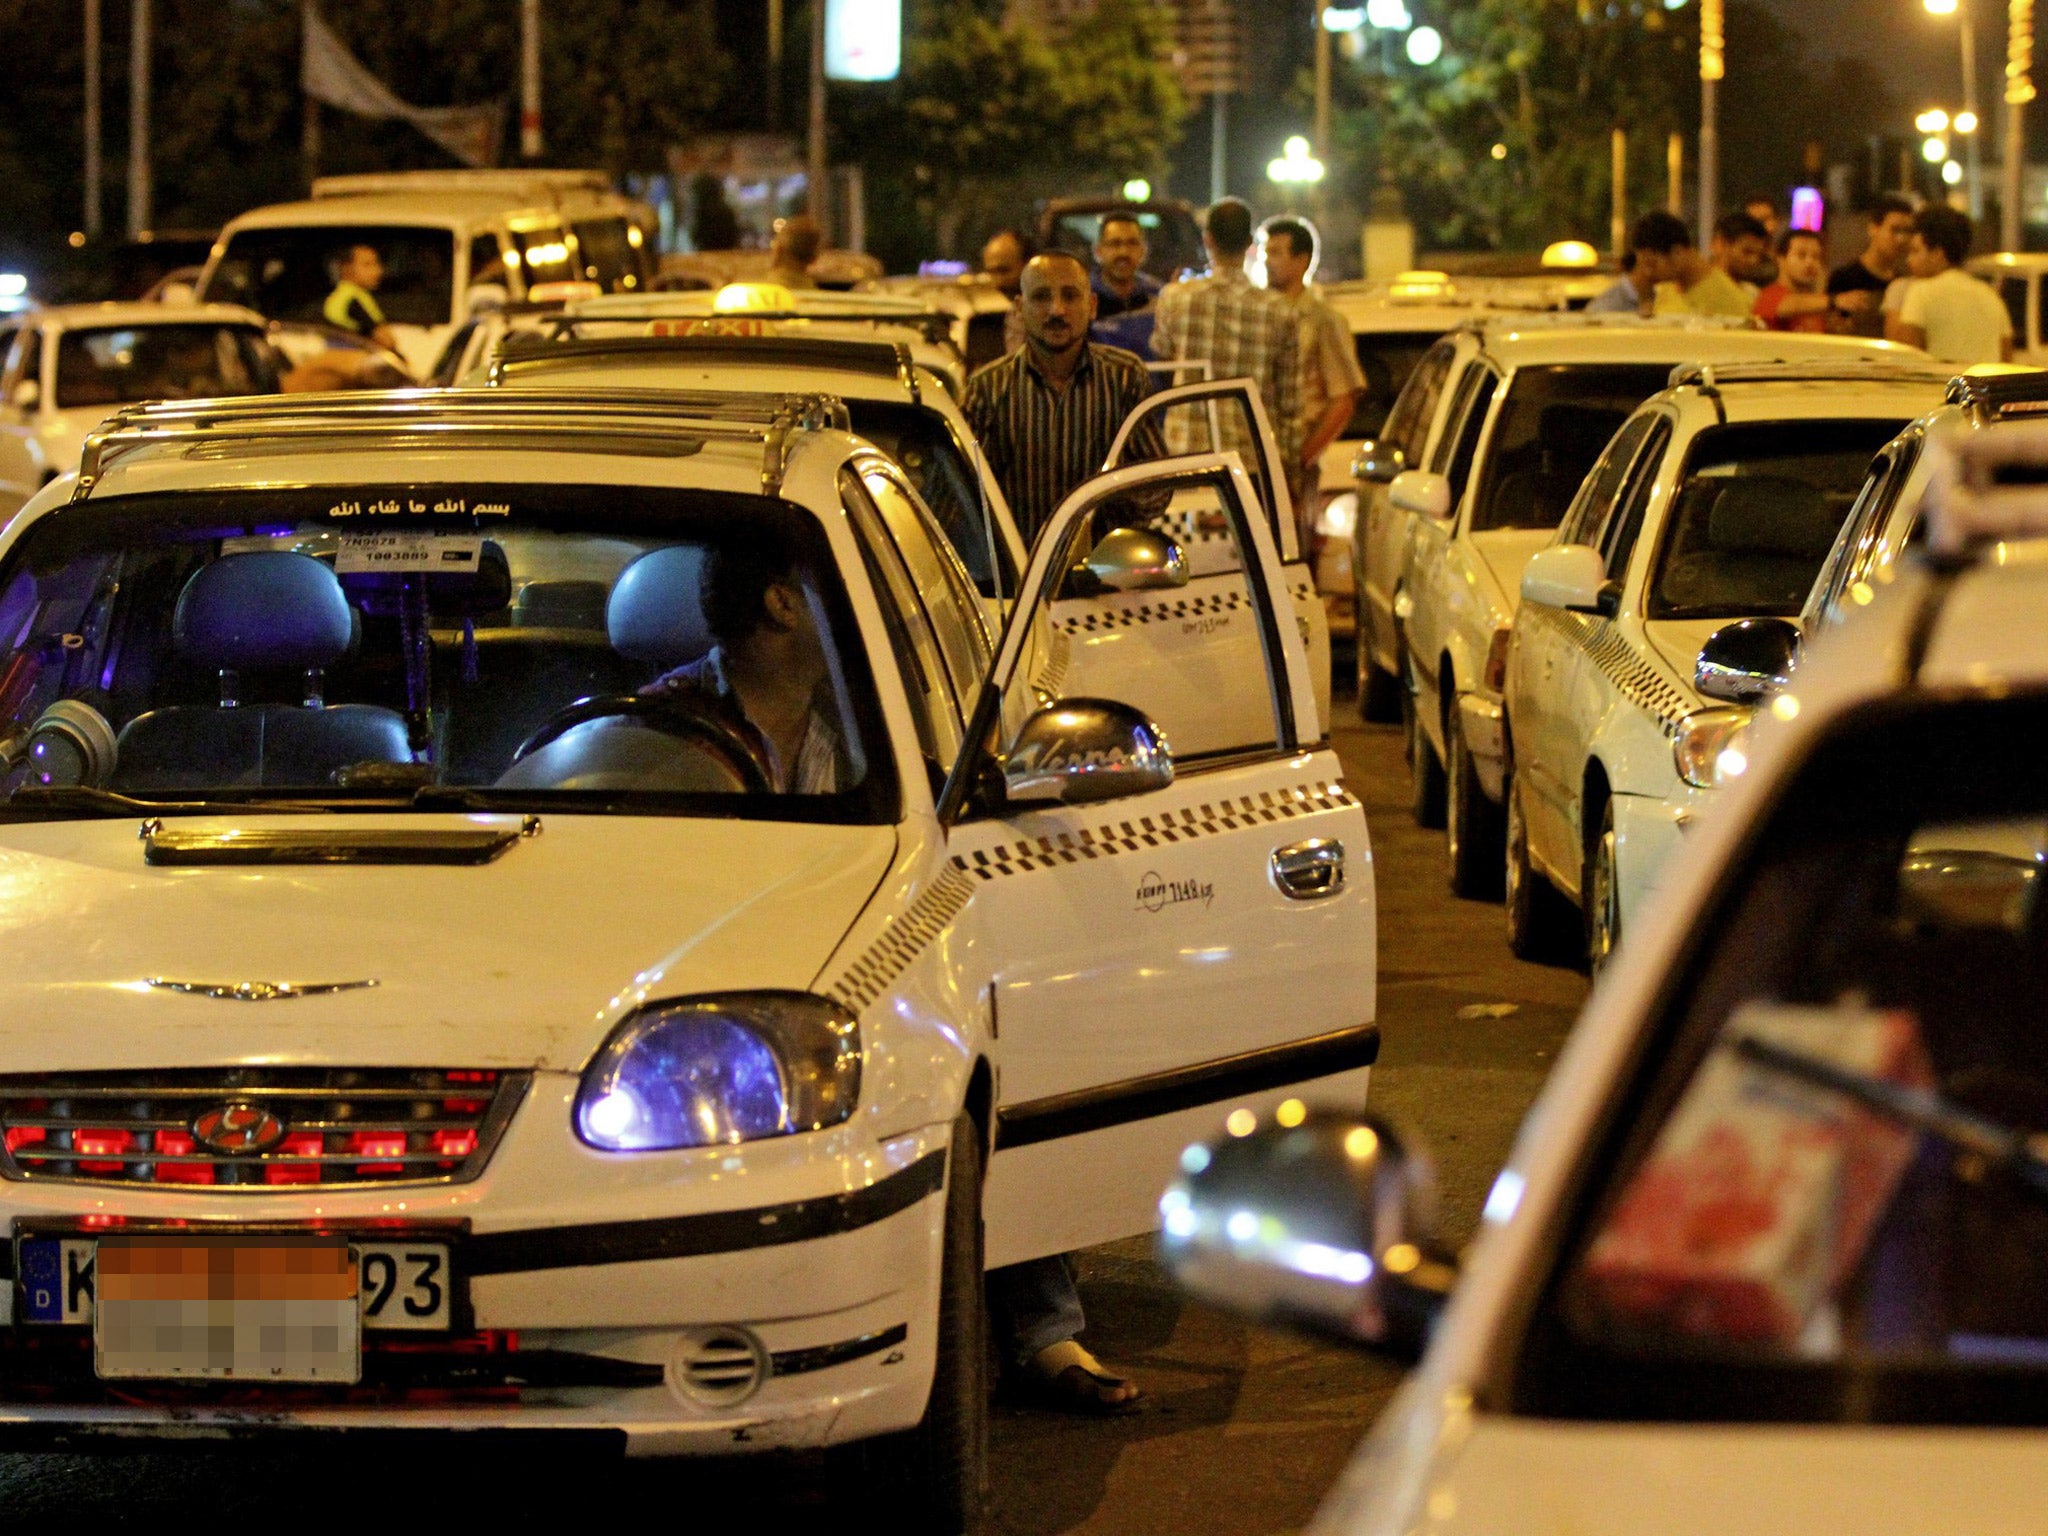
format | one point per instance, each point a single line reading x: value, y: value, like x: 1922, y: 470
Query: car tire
x: 1542, y: 925
x: 1600, y: 893
x: 1472, y: 826
x: 1379, y: 691
x: 1425, y: 773
x: 933, y: 1479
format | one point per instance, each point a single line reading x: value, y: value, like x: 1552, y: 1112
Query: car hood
x: 1677, y: 643
x: 1503, y: 552
x: 1550, y: 1479
x: 522, y: 962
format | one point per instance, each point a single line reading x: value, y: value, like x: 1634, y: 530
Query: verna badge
x: 254, y: 991
x: 238, y: 1128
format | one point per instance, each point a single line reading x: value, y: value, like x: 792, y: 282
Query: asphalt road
x: 1244, y: 1431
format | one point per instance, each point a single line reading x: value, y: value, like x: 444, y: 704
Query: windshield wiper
x: 83, y: 800
x: 2001, y: 1145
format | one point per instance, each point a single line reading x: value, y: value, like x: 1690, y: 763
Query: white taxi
x: 1532, y: 411
x: 70, y: 367
x: 1707, y: 517
x: 1769, y: 1255
x: 450, y: 987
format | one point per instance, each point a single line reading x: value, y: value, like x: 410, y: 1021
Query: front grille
x: 296, y: 1125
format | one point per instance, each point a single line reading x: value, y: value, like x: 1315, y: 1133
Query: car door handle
x: 1309, y: 871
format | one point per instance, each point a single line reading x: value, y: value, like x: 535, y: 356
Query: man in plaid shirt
x: 1241, y: 331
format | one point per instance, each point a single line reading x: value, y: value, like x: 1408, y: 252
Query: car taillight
x: 306, y: 1144
x: 24, y: 1136
x: 455, y: 1145
x: 376, y: 1144
x: 179, y: 1144
x: 101, y: 1144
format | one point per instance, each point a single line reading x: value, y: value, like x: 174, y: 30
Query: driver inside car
x: 767, y: 678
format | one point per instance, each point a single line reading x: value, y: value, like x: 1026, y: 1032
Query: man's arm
x: 1285, y: 382
x: 1907, y: 324
x: 1165, y: 325
x: 1333, y: 422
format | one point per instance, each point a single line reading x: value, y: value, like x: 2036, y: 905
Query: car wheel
x: 1600, y: 893
x: 1425, y: 773
x: 934, y: 1478
x: 1542, y: 925
x: 1472, y: 826
x: 1379, y: 691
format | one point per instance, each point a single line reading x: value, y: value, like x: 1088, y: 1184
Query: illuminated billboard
x: 863, y: 39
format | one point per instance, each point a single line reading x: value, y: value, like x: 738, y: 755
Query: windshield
x: 1756, y: 512
x: 289, y: 274
x: 161, y: 362
x: 1173, y: 242
x: 1823, y: 1197
x: 1386, y: 360
x: 918, y: 439
x: 593, y: 648
x: 1549, y: 431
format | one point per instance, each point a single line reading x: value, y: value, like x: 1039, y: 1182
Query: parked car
x: 437, y: 234
x: 1533, y: 409
x: 1710, y: 513
x: 72, y: 366
x: 1767, y: 1255
x: 715, y: 1128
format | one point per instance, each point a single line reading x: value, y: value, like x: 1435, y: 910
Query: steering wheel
x: 681, y: 717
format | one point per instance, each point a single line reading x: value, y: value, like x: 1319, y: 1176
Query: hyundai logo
x: 236, y: 1128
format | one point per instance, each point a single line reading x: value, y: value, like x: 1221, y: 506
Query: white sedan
x: 572, y: 1052
x: 1769, y: 1256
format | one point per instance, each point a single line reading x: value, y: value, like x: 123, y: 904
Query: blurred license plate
x: 399, y: 1285
x: 271, y: 1309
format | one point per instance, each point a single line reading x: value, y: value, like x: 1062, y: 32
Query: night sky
x: 1899, y: 36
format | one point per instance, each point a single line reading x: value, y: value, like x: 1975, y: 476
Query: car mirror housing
x: 1317, y: 1219
x: 1748, y: 660
x: 1083, y: 750
x: 1565, y: 576
x: 28, y: 394
x: 1134, y: 560
x: 1419, y: 491
x: 1377, y: 462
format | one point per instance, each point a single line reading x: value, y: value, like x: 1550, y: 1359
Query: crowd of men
x: 1907, y: 284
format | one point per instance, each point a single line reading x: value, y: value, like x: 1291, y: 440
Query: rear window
x: 610, y: 257
x: 1755, y: 514
x: 1550, y: 432
x: 1386, y: 359
x: 287, y: 274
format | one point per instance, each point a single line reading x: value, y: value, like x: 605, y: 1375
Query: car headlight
x: 714, y: 1070
x: 1711, y: 747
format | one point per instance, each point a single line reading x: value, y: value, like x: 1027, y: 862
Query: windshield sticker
x: 449, y: 553
x: 414, y: 506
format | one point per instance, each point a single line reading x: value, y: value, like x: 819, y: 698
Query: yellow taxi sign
x: 761, y: 298
x: 1419, y: 285
x: 1570, y: 253
x: 710, y: 325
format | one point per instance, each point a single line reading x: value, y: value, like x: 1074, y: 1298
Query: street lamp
x: 1966, y: 36
x: 1296, y: 167
x: 1425, y: 46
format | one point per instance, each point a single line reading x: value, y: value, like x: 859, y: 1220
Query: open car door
x: 1116, y: 651
x: 1179, y: 932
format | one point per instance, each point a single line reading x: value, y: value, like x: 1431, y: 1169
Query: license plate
x: 276, y: 1309
x: 399, y: 1285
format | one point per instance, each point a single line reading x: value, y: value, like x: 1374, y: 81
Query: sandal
x: 1081, y: 1387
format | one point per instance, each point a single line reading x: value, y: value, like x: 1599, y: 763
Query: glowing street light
x: 1933, y: 151
x: 1296, y: 167
x: 1425, y: 46
x: 1389, y: 15
x: 1137, y: 190
x: 1940, y: 7
x: 1933, y: 120
x: 1951, y: 171
x: 1347, y: 18
x: 1966, y: 122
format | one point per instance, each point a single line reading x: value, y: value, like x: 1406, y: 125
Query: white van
x: 439, y: 234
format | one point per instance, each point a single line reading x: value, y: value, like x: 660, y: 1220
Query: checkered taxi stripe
x: 1094, y: 620
x: 1633, y: 678
x: 902, y: 941
x: 1180, y: 826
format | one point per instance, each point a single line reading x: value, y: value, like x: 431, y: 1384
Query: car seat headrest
x: 656, y: 610
x: 268, y: 610
x: 1771, y: 515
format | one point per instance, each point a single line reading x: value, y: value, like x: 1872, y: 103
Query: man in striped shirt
x: 1047, y: 413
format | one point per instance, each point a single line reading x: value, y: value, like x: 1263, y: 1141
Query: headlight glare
x: 1711, y: 748
x: 717, y: 1070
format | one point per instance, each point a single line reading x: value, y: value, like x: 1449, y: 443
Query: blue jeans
x: 1032, y: 1306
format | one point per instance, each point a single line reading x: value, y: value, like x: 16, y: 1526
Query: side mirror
x: 1417, y: 490
x: 1083, y: 750
x: 28, y: 394
x: 1133, y: 560
x: 1748, y: 660
x: 1569, y: 576
x: 1328, y: 1224
x: 1377, y: 462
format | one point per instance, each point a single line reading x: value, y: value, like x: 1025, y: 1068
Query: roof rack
x: 1708, y: 377
x: 935, y: 327
x: 660, y: 418
x: 882, y: 359
x: 2000, y: 396
x: 1579, y: 320
x: 507, y: 181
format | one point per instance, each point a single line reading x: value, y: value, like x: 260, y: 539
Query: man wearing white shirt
x: 1945, y: 311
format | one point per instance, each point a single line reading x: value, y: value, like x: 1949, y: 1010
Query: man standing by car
x: 1950, y: 315
x: 1669, y: 266
x: 1002, y: 262
x: 352, y: 305
x: 1239, y: 330
x: 1857, y: 287
x: 1124, y: 291
x: 1047, y: 413
x: 1331, y: 380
